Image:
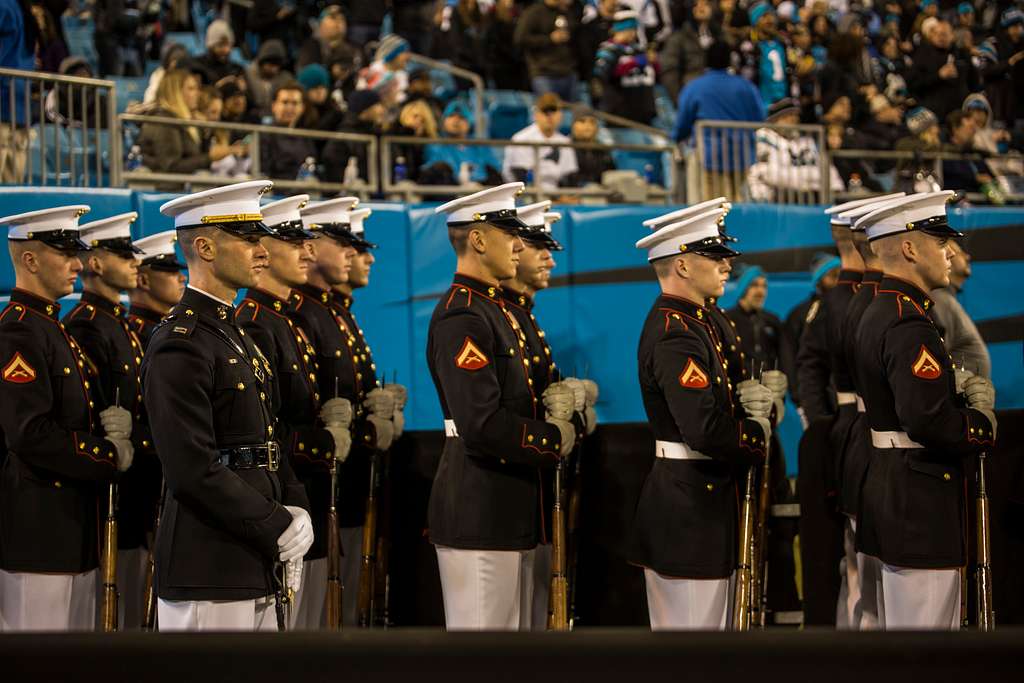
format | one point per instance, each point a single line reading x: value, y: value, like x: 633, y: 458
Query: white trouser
x: 308, y: 604
x: 688, y: 604
x: 217, y: 615
x: 920, y: 598
x: 483, y: 589
x: 869, y: 569
x: 848, y: 608
x: 351, y: 562
x: 537, y: 594
x: 47, y: 602
x: 131, y: 584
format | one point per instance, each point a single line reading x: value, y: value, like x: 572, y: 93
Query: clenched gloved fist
x: 592, y: 391
x: 960, y: 376
x: 116, y: 420
x: 755, y: 398
x: 401, y: 395
x: 298, y: 537
x: 342, y: 441
x: 766, y: 425
x: 380, y: 402
x: 568, y: 434
x: 124, y: 449
x: 579, y: 393
x: 776, y: 381
x: 384, y: 429
x: 336, y: 412
x: 980, y: 393
x: 559, y: 402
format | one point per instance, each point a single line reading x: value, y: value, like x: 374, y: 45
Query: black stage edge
x: 595, y: 655
x: 610, y: 591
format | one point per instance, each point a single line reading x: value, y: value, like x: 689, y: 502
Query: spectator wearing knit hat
x: 769, y: 65
x: 215, y: 64
x: 925, y: 137
x: 444, y: 163
x: 321, y: 112
x: 329, y: 43
x: 625, y: 73
x: 265, y: 73
x: 387, y: 74
x: 1004, y: 72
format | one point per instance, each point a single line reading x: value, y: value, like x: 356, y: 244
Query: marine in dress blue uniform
x: 161, y: 283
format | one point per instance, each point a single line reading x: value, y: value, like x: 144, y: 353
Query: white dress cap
x: 283, y: 210
x: 681, y: 214
x: 850, y: 216
x: 114, y: 233
x: 838, y: 211
x: 697, y: 234
x: 315, y: 215
x: 357, y: 220
x: 26, y: 226
x: 158, y: 250
x: 220, y: 206
x: 495, y: 205
x: 533, y: 214
x: 925, y: 212
x: 550, y: 218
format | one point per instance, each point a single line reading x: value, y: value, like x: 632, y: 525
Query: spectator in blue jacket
x: 450, y: 164
x: 720, y: 95
x: 18, y: 35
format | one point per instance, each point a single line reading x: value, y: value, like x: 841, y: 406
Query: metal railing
x: 732, y: 162
x: 535, y: 188
x: 471, y: 76
x: 64, y: 127
x: 256, y: 131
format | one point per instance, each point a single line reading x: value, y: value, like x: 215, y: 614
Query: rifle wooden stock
x: 369, y: 549
x: 108, y: 607
x: 334, y: 587
x: 741, y: 595
x: 558, y: 618
x: 149, y: 590
x: 759, y: 555
x: 986, y: 611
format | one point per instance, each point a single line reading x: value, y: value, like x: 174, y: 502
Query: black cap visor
x: 292, y: 231
x: 167, y: 262
x: 503, y: 219
x: 542, y: 240
x: 122, y: 246
x: 937, y: 226
x: 61, y: 240
x: 712, y: 247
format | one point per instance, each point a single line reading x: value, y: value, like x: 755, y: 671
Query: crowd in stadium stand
x: 921, y: 76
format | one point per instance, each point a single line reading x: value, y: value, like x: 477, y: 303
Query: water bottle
x: 649, y: 173
x: 351, y: 175
x: 465, y: 172
x: 529, y: 176
x: 307, y: 172
x: 134, y: 160
x: 400, y: 173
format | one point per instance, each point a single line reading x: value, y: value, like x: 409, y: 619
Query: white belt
x: 892, y: 440
x: 845, y: 398
x: 860, y: 404
x: 673, y: 450
x: 450, y: 429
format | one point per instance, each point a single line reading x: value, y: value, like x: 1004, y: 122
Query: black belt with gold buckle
x: 263, y: 456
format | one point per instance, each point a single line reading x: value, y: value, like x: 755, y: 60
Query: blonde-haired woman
x: 416, y: 120
x: 180, y: 149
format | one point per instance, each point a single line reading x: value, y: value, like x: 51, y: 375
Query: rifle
x: 558, y: 619
x: 149, y: 592
x: 572, y: 533
x: 108, y: 609
x: 334, y: 587
x: 368, y: 558
x: 381, y: 580
x: 759, y: 554
x: 986, y: 612
x: 741, y: 601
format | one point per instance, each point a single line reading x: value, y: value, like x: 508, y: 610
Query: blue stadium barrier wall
x: 602, y: 287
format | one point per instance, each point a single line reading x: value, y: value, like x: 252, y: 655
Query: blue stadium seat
x: 129, y: 89
x: 638, y: 161
x: 508, y: 111
x: 190, y: 41
x: 79, y: 35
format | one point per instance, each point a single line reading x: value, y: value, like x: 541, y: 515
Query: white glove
x: 804, y: 422
x: 380, y: 402
x: 776, y: 381
x: 125, y: 450
x: 399, y: 393
x: 592, y: 391
x: 342, y: 441
x: 960, y: 376
x: 991, y: 418
x: 590, y: 417
x: 980, y: 393
x: 559, y: 401
x: 336, y: 412
x: 568, y: 433
x: 765, y: 425
x: 298, y: 537
x: 579, y: 393
x: 116, y: 420
x: 398, y: 421
x: 780, y: 410
x: 293, y: 574
x: 385, y: 431
x: 755, y: 398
